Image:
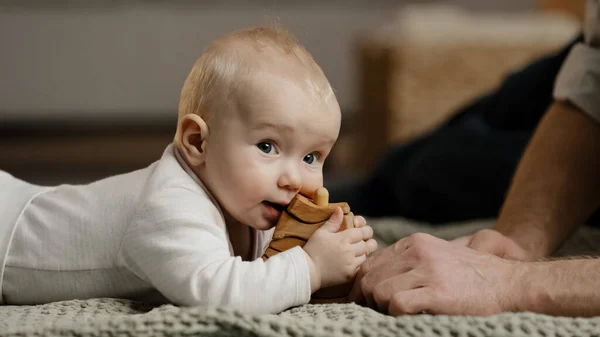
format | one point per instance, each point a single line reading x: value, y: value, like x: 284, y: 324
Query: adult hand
x: 421, y: 273
x: 495, y: 243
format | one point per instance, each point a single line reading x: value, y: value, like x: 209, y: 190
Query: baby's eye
x: 266, y: 147
x: 310, y: 158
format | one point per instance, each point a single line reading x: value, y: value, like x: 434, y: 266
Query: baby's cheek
x: 254, y: 180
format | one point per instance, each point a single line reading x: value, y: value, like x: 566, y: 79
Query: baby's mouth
x: 277, y: 206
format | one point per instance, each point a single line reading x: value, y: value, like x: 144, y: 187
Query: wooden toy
x: 301, y: 218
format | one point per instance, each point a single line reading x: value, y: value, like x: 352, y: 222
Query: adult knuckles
x: 415, y: 239
x: 381, y: 296
x: 419, y: 238
x: 400, y: 305
x: 417, y: 253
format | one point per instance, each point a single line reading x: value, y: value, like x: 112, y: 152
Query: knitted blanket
x: 111, y: 317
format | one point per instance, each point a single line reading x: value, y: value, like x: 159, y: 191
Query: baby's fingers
x: 360, y: 248
x: 364, y: 247
x: 354, y: 235
x: 371, y: 246
x: 359, y: 221
x: 359, y: 260
x: 333, y: 224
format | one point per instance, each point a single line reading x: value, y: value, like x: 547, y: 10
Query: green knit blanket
x: 111, y: 317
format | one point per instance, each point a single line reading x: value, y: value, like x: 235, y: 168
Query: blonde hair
x: 226, y: 62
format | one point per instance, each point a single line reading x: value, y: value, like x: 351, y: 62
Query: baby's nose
x: 290, y: 179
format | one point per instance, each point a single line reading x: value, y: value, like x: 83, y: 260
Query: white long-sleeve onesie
x: 154, y: 234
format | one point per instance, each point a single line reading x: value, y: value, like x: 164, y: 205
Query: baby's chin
x: 264, y: 225
x: 258, y: 220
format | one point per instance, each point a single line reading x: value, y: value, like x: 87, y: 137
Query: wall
x: 103, y: 58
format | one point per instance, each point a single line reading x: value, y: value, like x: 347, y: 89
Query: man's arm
x: 559, y: 288
x: 557, y: 184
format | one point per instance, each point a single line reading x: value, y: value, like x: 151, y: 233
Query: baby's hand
x: 334, y: 257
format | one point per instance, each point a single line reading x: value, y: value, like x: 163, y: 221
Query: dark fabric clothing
x: 462, y: 170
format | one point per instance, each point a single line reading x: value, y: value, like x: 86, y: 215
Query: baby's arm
x: 185, y: 255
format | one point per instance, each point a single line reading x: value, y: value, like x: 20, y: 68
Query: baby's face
x: 269, y: 145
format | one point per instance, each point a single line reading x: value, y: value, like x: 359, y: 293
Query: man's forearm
x: 559, y: 288
x: 557, y: 184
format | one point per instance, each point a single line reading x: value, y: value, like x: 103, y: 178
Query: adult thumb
x: 476, y: 243
x: 489, y: 242
x: 335, y: 221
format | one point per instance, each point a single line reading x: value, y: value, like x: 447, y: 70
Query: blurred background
x: 90, y: 88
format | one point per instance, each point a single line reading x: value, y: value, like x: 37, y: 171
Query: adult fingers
x: 384, y: 256
x: 363, y: 285
x: 355, y: 295
x: 412, y: 301
x: 380, y: 274
x: 386, y: 289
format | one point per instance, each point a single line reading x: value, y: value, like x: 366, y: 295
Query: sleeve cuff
x: 579, y: 80
x: 298, y: 259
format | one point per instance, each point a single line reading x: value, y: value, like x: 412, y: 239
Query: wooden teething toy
x: 301, y: 218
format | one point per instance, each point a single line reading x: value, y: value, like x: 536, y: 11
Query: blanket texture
x: 112, y: 317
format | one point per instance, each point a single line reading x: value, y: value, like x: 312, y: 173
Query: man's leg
x: 462, y: 170
x: 458, y: 173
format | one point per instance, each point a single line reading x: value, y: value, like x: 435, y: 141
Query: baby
x: 257, y: 119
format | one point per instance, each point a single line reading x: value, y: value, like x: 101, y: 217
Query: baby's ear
x: 193, y: 137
